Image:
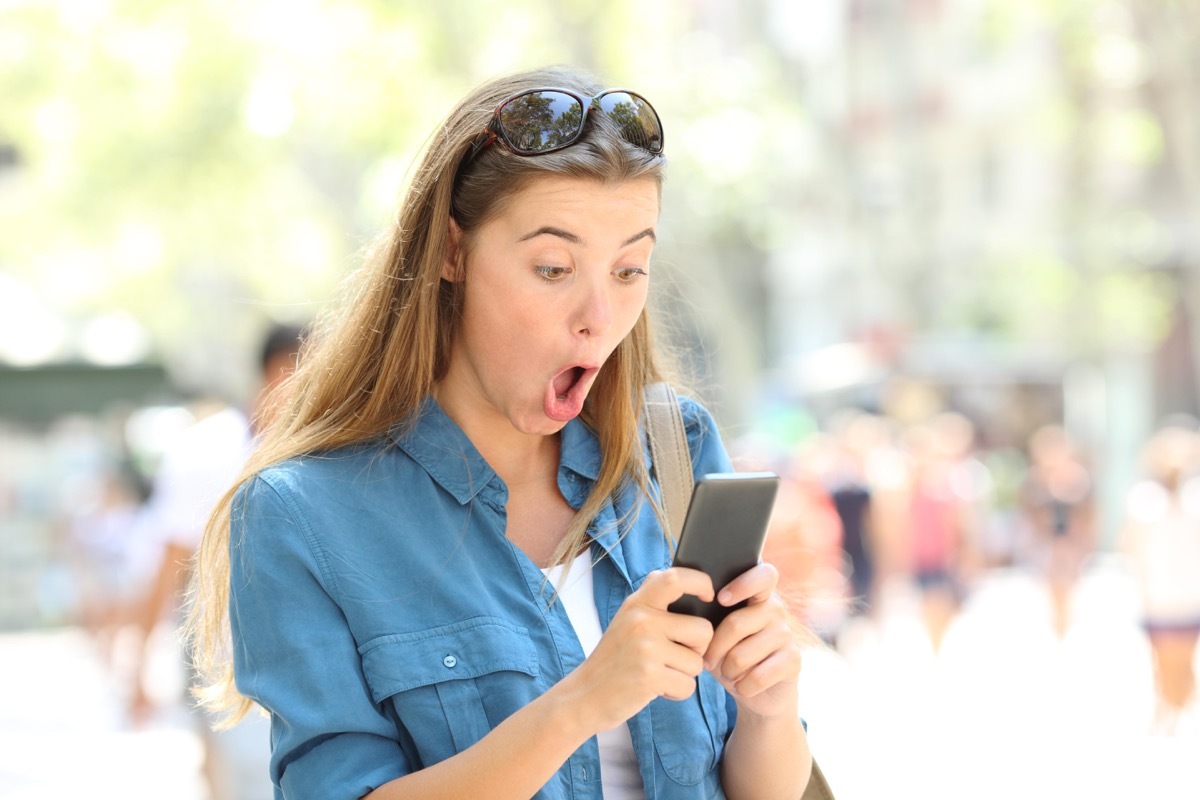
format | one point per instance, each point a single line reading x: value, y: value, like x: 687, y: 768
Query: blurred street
x: 64, y: 731
x: 1005, y: 710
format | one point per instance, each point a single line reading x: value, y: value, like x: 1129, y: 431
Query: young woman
x: 1161, y: 537
x: 461, y: 435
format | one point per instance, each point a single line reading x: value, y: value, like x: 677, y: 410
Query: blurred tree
x: 205, y: 164
x: 988, y: 170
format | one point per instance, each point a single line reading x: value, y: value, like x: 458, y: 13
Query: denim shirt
x: 384, y: 620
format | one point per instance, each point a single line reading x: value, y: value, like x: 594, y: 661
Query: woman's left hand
x: 755, y: 651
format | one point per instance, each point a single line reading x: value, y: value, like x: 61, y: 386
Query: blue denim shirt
x: 383, y: 619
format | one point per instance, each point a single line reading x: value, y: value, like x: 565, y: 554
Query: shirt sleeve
x: 704, y: 439
x: 294, y: 654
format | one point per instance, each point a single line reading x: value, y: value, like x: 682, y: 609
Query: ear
x: 451, y: 266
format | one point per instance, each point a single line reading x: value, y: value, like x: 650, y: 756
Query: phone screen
x: 723, y: 533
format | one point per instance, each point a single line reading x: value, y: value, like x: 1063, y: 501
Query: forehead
x: 584, y: 201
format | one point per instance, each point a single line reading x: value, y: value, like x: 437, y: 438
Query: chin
x: 541, y: 426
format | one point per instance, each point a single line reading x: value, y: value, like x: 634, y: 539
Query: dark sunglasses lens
x: 541, y: 121
x: 636, y: 118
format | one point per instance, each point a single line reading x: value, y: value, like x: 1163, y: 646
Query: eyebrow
x: 550, y: 230
x: 648, y: 232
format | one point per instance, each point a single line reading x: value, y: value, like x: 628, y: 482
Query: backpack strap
x: 672, y: 462
x: 669, y: 452
x: 818, y: 787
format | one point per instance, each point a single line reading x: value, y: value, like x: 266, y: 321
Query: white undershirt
x: 619, y: 776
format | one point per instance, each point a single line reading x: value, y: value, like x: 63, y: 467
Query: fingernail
x: 725, y: 598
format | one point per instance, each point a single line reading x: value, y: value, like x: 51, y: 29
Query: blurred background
x: 934, y: 261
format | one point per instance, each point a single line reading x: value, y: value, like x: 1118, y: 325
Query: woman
x: 468, y: 425
x: 1058, y: 500
x: 1162, y: 538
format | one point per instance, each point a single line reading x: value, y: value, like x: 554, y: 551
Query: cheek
x: 497, y: 321
x: 632, y: 308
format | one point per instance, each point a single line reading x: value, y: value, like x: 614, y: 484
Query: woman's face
x: 553, y: 284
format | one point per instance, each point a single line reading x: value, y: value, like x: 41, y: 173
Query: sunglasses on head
x: 539, y: 121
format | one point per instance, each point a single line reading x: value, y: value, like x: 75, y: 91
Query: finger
x: 664, y: 670
x: 751, y: 651
x: 663, y: 587
x: 694, y: 633
x: 679, y: 675
x: 684, y: 660
x: 678, y: 686
x: 754, y: 585
x: 779, y: 667
x: 745, y: 623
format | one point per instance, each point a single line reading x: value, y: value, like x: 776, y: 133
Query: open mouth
x: 566, y: 392
x: 565, y: 380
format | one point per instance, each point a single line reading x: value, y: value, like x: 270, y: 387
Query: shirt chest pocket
x: 450, y: 685
x: 689, y: 735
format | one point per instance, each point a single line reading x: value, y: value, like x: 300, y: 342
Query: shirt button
x: 450, y: 662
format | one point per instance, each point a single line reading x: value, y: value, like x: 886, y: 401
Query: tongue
x: 564, y: 380
x: 563, y: 400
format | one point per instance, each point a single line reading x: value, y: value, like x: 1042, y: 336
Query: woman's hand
x: 647, y: 651
x: 755, y: 651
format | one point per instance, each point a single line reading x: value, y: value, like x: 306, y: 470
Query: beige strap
x: 818, y: 787
x: 673, y: 466
x: 669, y: 452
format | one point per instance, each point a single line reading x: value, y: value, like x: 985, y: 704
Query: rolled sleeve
x: 295, y: 655
x: 704, y: 439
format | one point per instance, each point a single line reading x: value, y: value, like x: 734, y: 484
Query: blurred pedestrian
x: 936, y: 518
x: 1001, y: 541
x: 856, y: 438
x: 1057, y: 504
x: 1162, y: 539
x: 198, y: 467
x: 804, y: 540
x: 112, y: 551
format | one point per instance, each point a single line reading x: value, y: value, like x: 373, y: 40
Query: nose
x: 593, y: 308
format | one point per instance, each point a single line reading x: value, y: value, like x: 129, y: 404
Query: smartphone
x: 723, y: 533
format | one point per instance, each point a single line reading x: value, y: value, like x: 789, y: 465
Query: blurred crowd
x: 870, y: 504
x: 131, y: 511
x: 872, y: 510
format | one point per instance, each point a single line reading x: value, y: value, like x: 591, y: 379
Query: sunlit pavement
x: 64, y: 733
x: 1005, y: 710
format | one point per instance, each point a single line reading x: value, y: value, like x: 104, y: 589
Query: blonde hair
x: 368, y: 366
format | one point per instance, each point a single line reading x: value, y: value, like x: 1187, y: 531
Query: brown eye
x: 552, y: 273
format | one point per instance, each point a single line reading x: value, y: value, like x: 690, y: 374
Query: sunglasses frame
x: 495, y: 130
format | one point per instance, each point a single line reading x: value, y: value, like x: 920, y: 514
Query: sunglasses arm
x: 481, y: 142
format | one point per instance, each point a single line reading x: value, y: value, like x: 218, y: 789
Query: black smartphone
x: 723, y: 533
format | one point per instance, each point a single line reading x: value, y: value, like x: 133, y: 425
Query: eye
x: 629, y: 274
x: 552, y: 274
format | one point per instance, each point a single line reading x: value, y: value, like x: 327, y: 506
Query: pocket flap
x: 467, y: 649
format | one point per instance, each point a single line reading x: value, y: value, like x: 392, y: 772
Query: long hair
x: 370, y: 362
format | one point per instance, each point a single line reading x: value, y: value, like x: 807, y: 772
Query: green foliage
x: 204, y: 164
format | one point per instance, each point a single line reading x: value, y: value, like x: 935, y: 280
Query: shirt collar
x: 436, y: 442
x: 580, y: 450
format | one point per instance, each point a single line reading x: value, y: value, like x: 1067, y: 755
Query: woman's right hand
x: 647, y: 651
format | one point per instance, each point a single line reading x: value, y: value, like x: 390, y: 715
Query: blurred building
x: 63, y: 439
x: 995, y: 215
